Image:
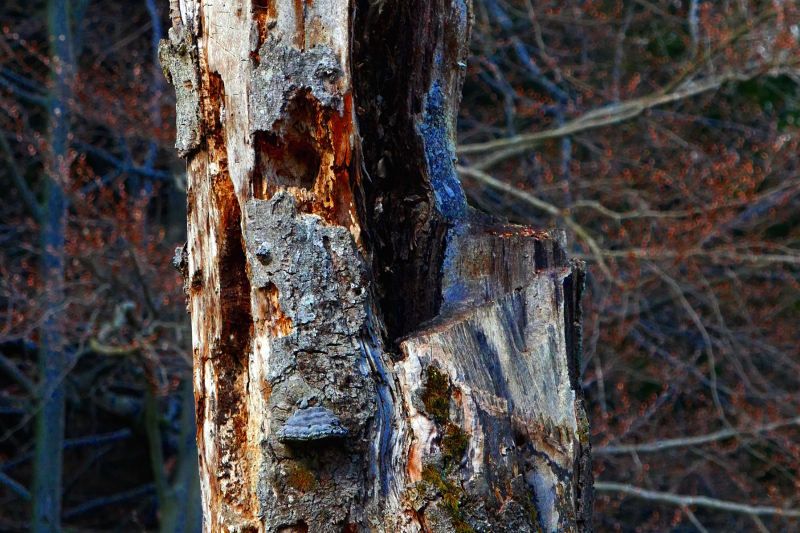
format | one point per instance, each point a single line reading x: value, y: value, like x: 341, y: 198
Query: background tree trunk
x: 370, y: 354
x: 53, y: 362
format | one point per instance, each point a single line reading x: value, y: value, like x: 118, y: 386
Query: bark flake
x: 178, y: 58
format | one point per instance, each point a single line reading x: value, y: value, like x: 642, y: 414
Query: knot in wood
x: 263, y: 253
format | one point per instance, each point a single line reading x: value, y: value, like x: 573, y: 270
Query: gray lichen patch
x: 315, y: 266
x: 179, y: 62
x: 320, y: 381
x: 283, y: 72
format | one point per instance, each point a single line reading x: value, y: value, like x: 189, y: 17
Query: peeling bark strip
x: 370, y: 353
x: 178, y: 58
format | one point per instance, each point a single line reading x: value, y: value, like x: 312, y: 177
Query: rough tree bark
x: 370, y: 354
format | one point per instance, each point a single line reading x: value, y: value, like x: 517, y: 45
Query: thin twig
x: 91, y: 440
x: 609, y: 115
x: 698, y: 322
x: 694, y: 520
x: 759, y: 524
x: 113, y: 351
x: 108, y: 500
x: 699, y: 501
x: 547, y: 207
x: 13, y: 371
x: 638, y: 213
x: 697, y: 440
x: 724, y: 46
x: 721, y: 256
x: 15, y: 487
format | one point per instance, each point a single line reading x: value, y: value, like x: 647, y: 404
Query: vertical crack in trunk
x: 220, y: 290
x: 230, y: 356
x: 395, y: 56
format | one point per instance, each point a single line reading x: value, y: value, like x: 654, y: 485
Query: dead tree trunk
x: 370, y: 354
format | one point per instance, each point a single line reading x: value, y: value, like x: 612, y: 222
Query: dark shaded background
x: 662, y: 135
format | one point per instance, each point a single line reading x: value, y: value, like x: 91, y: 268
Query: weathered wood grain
x: 510, y: 397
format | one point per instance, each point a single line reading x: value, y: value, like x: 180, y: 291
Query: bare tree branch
x: 694, y: 520
x: 549, y: 208
x: 15, y: 487
x: 697, y: 440
x: 599, y: 255
x: 609, y: 115
x: 619, y: 112
x: 13, y: 371
x: 699, y: 501
x: 719, y: 256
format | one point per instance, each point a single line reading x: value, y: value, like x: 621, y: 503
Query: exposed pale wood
x: 337, y: 278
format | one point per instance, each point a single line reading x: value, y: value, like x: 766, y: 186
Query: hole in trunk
x: 293, y: 156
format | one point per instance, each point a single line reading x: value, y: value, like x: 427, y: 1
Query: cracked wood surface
x: 370, y: 354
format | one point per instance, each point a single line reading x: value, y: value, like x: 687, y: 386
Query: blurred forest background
x: 661, y: 134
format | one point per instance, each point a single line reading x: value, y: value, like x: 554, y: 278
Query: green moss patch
x: 454, y: 443
x: 453, y: 497
x: 436, y: 395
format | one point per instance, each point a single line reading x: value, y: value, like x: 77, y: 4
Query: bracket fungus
x: 311, y: 424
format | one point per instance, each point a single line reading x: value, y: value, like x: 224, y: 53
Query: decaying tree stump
x: 370, y: 354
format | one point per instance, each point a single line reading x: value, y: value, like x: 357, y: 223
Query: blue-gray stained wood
x: 513, y: 395
x: 311, y: 424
